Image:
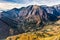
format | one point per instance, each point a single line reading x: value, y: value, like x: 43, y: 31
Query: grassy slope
x: 33, y: 37
x: 49, y: 32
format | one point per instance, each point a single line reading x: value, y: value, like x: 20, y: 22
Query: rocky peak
x: 28, y: 18
x: 35, y: 6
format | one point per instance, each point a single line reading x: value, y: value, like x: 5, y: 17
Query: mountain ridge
x: 30, y: 18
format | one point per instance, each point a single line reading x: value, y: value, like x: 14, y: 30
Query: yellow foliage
x: 47, y: 33
x: 33, y: 37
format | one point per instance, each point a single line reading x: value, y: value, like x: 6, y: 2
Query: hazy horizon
x: 9, y: 4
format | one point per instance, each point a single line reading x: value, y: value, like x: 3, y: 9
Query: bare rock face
x: 27, y: 19
x: 57, y: 22
x: 4, y: 30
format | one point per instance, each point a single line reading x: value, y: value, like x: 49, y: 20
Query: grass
x: 49, y: 32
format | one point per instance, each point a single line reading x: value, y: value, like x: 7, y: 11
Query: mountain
x: 49, y: 32
x: 27, y: 19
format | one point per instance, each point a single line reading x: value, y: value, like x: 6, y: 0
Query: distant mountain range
x: 26, y: 19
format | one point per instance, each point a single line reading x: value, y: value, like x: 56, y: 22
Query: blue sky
x: 9, y: 4
x: 28, y: 1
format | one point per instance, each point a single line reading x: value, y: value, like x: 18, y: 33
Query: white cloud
x: 9, y: 5
x: 6, y: 6
x: 45, y: 2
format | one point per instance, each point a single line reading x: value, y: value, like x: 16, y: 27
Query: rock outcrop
x: 27, y: 19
